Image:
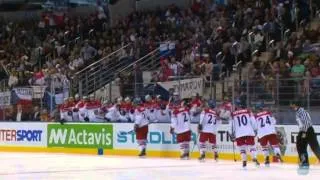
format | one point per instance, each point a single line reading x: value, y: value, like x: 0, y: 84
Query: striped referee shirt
x: 303, y: 118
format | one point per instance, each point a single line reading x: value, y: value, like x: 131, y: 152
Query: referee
x: 306, y: 135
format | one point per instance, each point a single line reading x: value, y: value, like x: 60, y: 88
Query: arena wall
x: 119, y: 139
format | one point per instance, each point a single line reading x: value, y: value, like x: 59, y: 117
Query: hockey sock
x: 243, y: 153
x: 182, y: 148
x: 265, y: 151
x: 214, y: 148
x: 142, y: 144
x: 276, y: 150
x: 187, y: 146
x: 203, y: 148
x: 253, y: 152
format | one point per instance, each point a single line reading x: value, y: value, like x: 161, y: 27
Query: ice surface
x: 24, y: 166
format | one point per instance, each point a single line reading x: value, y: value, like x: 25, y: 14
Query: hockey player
x: 180, y: 125
x: 125, y: 109
x: 112, y: 112
x: 224, y: 110
x: 162, y: 112
x: 93, y: 107
x: 207, y: 127
x: 242, y: 131
x: 66, y: 111
x: 195, y: 107
x: 150, y: 108
x: 141, y: 127
x: 81, y: 109
x: 266, y: 132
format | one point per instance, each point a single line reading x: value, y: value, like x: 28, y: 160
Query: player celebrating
x: 207, y: 129
x: 225, y: 110
x: 266, y: 132
x: 180, y: 125
x: 162, y: 112
x: 150, y: 108
x: 66, y: 111
x: 141, y: 127
x: 195, y: 107
x: 242, y: 129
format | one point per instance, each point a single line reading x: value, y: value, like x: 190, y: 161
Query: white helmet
x: 127, y: 99
x: 119, y: 99
x: 147, y: 97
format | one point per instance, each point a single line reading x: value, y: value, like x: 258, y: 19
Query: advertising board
x: 23, y: 134
x: 80, y: 135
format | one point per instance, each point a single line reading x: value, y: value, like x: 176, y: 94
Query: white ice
x: 25, y: 166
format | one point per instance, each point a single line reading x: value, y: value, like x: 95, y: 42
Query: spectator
x: 88, y: 52
x: 21, y: 115
x: 36, y: 114
x: 298, y: 69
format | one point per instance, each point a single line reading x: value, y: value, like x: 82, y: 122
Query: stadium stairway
x: 139, y: 72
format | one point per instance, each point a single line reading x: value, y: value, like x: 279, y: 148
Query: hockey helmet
x: 137, y: 101
x: 127, y: 99
x: 212, y: 103
x: 147, y: 97
x: 260, y: 105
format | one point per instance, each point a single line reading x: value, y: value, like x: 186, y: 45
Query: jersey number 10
x: 242, y: 121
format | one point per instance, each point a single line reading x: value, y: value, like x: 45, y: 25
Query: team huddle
x: 244, y: 124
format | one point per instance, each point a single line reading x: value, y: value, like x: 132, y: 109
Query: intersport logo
x: 80, y: 135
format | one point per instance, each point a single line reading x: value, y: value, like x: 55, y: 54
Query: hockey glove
x: 232, y: 137
x: 62, y: 121
x: 86, y: 119
x: 135, y: 128
x: 75, y: 110
x: 171, y: 130
x: 199, y: 127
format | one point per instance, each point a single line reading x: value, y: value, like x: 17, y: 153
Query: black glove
x: 132, y: 111
x: 135, y: 128
x: 86, y: 119
x: 171, y: 130
x: 75, y: 110
x: 62, y: 121
x: 232, y: 137
x: 107, y: 119
x: 200, y: 127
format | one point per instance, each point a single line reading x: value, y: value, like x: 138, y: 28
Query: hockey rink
x: 41, y: 166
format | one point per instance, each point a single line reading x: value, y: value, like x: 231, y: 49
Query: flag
x: 21, y: 96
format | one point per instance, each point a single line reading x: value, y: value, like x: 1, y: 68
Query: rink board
x: 118, y: 139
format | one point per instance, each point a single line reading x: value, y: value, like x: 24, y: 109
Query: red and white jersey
x: 265, y: 123
x: 140, y: 117
x: 209, y: 121
x: 242, y: 123
x: 225, y: 110
x: 162, y: 111
x: 66, y: 111
x: 112, y: 112
x: 82, y: 110
x: 180, y: 120
x: 150, y: 108
x: 93, y: 109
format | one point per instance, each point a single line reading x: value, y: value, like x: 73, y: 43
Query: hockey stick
x: 131, y: 131
x: 234, y: 152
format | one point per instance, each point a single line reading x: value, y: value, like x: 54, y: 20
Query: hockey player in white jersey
x: 243, y: 127
x: 266, y: 132
x: 207, y: 127
x: 66, y: 111
x: 141, y: 127
x: 180, y: 125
